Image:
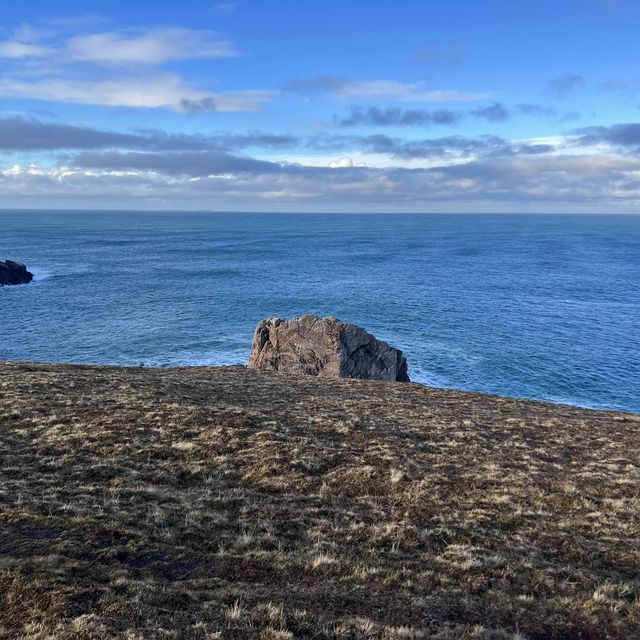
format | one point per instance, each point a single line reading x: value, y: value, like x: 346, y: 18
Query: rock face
x: 324, y: 347
x: 14, y: 273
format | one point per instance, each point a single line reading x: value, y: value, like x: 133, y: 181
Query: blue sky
x: 500, y: 105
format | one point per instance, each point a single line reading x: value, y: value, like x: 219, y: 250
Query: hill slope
x: 228, y: 503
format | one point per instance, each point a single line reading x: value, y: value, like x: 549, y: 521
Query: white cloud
x: 14, y: 50
x: 111, y: 69
x: 388, y: 90
x: 29, y: 33
x: 403, y: 92
x: 161, y: 91
x: 341, y: 163
x: 156, y: 46
x: 23, y: 42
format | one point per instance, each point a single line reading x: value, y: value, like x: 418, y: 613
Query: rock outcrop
x: 324, y: 347
x: 14, y: 273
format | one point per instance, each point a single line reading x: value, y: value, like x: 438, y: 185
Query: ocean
x: 533, y: 306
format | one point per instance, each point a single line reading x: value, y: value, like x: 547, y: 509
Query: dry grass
x: 225, y: 503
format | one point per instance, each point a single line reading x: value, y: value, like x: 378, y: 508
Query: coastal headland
x: 236, y: 503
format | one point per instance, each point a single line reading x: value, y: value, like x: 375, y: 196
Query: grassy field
x: 226, y: 503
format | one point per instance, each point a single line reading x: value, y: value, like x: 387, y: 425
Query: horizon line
x: 334, y: 213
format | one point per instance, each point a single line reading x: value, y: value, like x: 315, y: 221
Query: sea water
x: 535, y: 306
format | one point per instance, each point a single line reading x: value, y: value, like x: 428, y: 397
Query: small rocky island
x: 324, y: 347
x: 14, y: 273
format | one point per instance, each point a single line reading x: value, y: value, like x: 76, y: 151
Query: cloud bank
x: 155, y: 169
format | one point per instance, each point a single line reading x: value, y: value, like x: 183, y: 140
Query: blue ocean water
x: 543, y: 307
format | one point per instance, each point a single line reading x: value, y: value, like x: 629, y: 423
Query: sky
x: 359, y: 106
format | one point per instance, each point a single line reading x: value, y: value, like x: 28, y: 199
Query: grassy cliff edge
x: 231, y: 503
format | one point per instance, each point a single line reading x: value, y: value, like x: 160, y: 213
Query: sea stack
x: 324, y: 347
x: 14, y: 273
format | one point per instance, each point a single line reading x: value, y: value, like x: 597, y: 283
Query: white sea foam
x: 40, y: 273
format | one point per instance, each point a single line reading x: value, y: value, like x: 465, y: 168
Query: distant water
x: 541, y: 307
